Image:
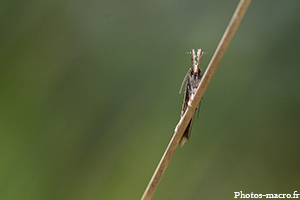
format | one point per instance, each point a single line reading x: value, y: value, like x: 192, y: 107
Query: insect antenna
x: 183, y: 81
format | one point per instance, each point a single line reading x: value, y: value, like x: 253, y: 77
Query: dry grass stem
x: 181, y: 126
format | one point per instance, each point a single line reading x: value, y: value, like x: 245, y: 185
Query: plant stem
x: 192, y: 105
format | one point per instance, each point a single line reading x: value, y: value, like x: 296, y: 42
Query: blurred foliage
x: 89, y: 99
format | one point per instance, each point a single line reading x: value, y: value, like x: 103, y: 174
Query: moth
x: 193, y: 78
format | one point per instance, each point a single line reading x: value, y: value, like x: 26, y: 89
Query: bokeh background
x: 89, y: 99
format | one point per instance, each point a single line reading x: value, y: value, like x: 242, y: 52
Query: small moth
x: 193, y: 78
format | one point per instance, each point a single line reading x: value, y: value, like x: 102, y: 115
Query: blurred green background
x: 89, y: 99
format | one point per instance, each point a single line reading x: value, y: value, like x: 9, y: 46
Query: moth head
x: 196, y: 58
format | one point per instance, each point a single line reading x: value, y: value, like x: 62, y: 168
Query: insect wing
x: 186, y: 97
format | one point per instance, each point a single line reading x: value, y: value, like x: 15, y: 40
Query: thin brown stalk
x: 181, y: 126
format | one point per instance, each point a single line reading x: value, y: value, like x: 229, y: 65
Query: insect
x: 193, y: 78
